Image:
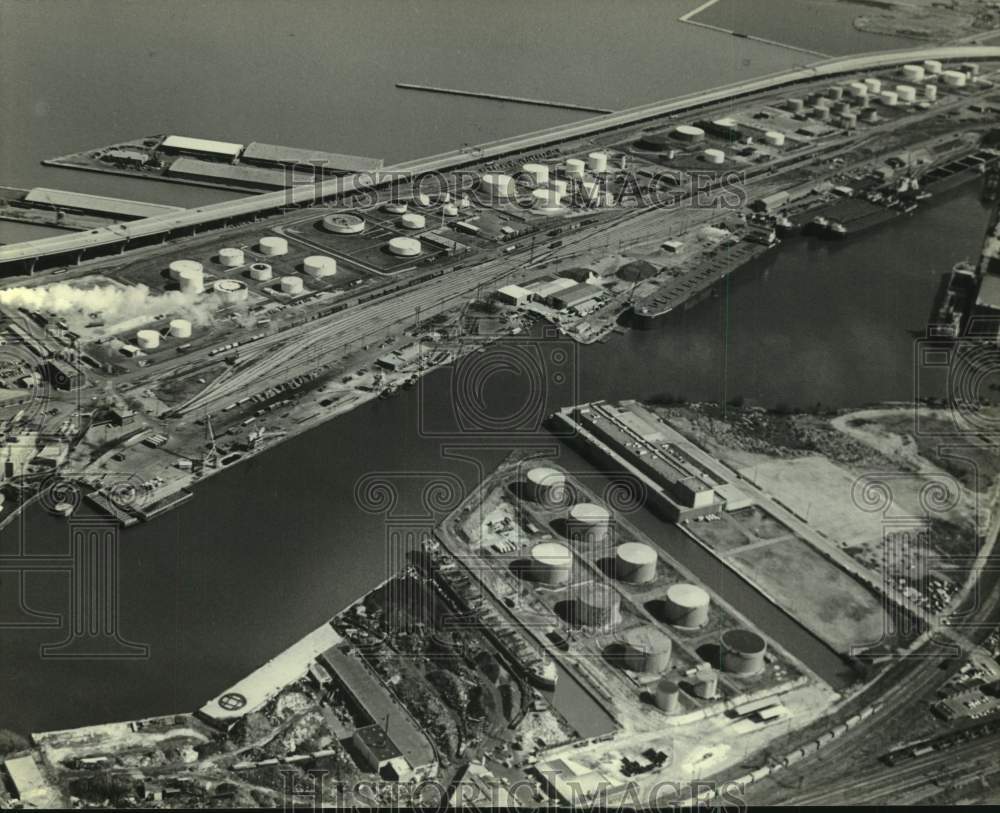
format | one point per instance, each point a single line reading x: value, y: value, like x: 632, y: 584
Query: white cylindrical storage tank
x: 889, y: 98
x: 177, y: 267
x: 449, y: 210
x: 796, y: 105
x: 575, y: 167
x: 588, y: 523
x: 412, y: 220
x: 273, y: 246
x: 560, y: 186
x: 686, y: 605
x: 930, y: 92
x: 404, y: 246
x: 688, y: 132
x: 396, y: 207
x: 180, y: 328
x: 932, y: 66
x: 906, y: 93
x: 954, y: 79
x: 261, y: 272
x: 422, y: 199
x: 714, y: 156
x: 551, y: 563
x: 231, y: 257
x: 775, y: 138
x: 913, y: 73
x: 344, y: 224
x: 667, y: 696
x: 231, y: 291
x: 598, y: 161
x: 859, y: 90
x: 743, y: 652
x: 538, y: 173
x: 147, y: 339
x: 836, y: 93
x: 464, y: 202
x: 635, y: 563
x: 646, y: 649
x: 192, y: 281
x: 874, y: 84
x: 596, y: 605
x: 546, y: 485
x: 546, y: 199
x: 291, y: 285
x: 319, y: 266
x: 497, y: 185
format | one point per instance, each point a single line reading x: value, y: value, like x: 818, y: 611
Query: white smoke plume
x: 113, y: 303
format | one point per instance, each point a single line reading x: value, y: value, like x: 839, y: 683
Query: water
x: 268, y: 550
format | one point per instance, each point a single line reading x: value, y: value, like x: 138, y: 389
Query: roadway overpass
x: 69, y: 248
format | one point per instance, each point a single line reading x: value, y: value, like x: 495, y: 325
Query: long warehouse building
x: 23, y: 257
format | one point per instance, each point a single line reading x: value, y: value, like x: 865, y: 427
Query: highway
x: 305, y: 194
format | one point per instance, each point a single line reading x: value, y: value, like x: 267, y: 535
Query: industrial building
x: 117, y: 208
x: 380, y: 753
x: 241, y: 176
x: 513, y: 295
x: 683, y: 482
x: 271, y: 154
x: 574, y: 297
x: 28, y: 783
x: 183, y: 145
x: 62, y: 375
x: 390, y: 731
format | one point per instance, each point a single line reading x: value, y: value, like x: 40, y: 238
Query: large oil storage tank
x: 596, y: 605
x: 913, y: 73
x: 686, y: 605
x: 667, y: 696
x: 598, y: 161
x: 743, y: 652
x: 344, y: 224
x: 231, y: 257
x: 191, y: 280
x: 705, y: 684
x: 932, y: 66
x: 575, y: 167
x: 147, y: 339
x: 906, y: 93
x: 688, y: 132
x: 588, y: 523
x: 635, y: 563
x: 404, y: 246
x: 273, y: 246
x: 396, y: 207
x: 796, y: 105
x: 930, y: 92
x: 654, y: 142
x: 889, y: 98
x: 177, y: 267
x: 291, y: 285
x: 859, y: 90
x: 537, y: 173
x: 261, y: 272
x: 231, y: 291
x: 954, y: 79
x: 549, y: 199
x: 180, y: 328
x: 449, y: 210
x: 646, y: 649
x: 836, y: 93
x: 411, y: 220
x: 775, y: 138
x: 319, y: 266
x: 714, y: 156
x: 496, y: 185
x: 874, y: 84
x: 551, y: 563
x: 546, y: 485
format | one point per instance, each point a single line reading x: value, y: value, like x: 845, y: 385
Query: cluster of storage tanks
x: 188, y: 274
x: 667, y: 695
x: 150, y: 339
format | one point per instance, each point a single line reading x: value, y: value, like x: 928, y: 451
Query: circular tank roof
x: 636, y: 553
x: 654, y: 141
x: 344, y: 223
x: 228, y: 285
x: 405, y: 246
x: 687, y: 595
x: 743, y: 641
x: 725, y: 122
x: 647, y: 639
x: 552, y: 553
x: 588, y: 512
x: 689, y: 130
x: 185, y: 265
x: 543, y: 475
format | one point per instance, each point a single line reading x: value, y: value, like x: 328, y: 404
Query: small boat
x: 836, y: 229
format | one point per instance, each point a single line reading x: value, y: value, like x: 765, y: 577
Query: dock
x: 500, y: 97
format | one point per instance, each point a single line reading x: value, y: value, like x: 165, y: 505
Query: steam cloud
x: 115, y: 304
